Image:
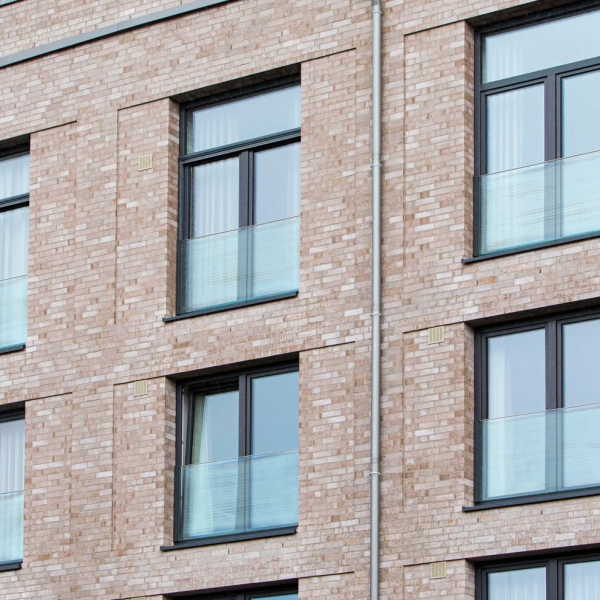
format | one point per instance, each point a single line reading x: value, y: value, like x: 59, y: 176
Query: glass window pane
x: 581, y: 376
x: 245, y: 119
x: 14, y: 243
x: 14, y: 176
x: 215, y: 197
x: 515, y: 129
x: 520, y: 584
x: 535, y: 48
x: 277, y: 183
x: 275, y: 413
x: 581, y: 114
x: 12, y: 456
x: 582, y: 581
x: 284, y: 597
x: 517, y: 374
x: 216, y: 427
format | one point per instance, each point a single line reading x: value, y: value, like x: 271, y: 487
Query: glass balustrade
x: 251, y: 263
x: 11, y: 527
x: 13, y: 311
x: 552, y: 451
x: 241, y: 495
x: 552, y: 201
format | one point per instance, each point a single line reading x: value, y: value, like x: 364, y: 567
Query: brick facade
x: 103, y: 235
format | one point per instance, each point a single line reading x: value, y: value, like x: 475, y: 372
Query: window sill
x: 9, y: 349
x: 520, y: 500
x: 540, y: 246
x: 232, y: 306
x: 13, y: 566
x: 224, y: 539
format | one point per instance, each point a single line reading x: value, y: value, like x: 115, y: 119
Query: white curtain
x: 582, y: 581
x: 246, y: 119
x: 210, y: 259
x: 12, y: 476
x: 14, y: 244
x: 512, y: 197
x: 14, y: 176
x: 521, y: 584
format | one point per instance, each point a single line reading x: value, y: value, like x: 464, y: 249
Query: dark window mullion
x: 244, y: 221
x: 551, y: 423
x: 242, y: 491
x: 552, y: 579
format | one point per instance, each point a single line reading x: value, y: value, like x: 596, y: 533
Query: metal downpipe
x: 376, y: 294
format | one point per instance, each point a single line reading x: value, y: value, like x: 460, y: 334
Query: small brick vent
x: 140, y: 388
x: 435, y: 335
x: 145, y: 162
x: 438, y: 570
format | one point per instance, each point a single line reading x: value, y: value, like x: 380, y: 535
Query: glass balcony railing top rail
x: 11, y: 527
x: 240, y: 495
x: 13, y: 311
x: 538, y: 453
x: 238, y: 266
x: 552, y: 201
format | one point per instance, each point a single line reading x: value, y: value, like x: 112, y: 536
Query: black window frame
x: 552, y: 325
x: 12, y: 412
x: 264, y: 591
x: 238, y: 379
x: 554, y: 565
x: 14, y: 203
x: 245, y: 150
x: 551, y: 78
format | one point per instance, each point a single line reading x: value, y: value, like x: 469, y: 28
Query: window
x: 538, y: 408
x: 538, y: 134
x: 12, y: 466
x: 239, y: 224
x: 14, y: 245
x: 563, y: 578
x: 238, y: 455
x: 272, y: 594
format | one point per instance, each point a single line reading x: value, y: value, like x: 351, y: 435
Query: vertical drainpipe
x: 376, y: 292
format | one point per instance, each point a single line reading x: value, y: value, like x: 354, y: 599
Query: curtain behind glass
x: 12, y: 477
x: 521, y: 584
x: 582, y: 581
x: 513, y: 201
x: 210, y: 259
x: 245, y: 119
x: 14, y: 176
x: 516, y: 415
x: 534, y: 48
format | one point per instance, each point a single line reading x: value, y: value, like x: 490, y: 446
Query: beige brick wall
x: 99, y: 461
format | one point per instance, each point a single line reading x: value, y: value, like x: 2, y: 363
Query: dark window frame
x: 14, y: 203
x: 554, y: 565
x: 240, y: 379
x: 245, y: 150
x: 551, y: 79
x: 12, y: 412
x: 552, y: 324
x: 264, y: 591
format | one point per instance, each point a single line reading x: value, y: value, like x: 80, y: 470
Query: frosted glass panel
x: 14, y: 176
x: 582, y: 581
x: 521, y: 584
x: 240, y: 265
x: 241, y: 495
x: 245, y: 119
x: 11, y: 527
x: 538, y: 47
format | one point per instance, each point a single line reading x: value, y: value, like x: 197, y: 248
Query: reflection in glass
x: 581, y: 376
x: 277, y: 183
x: 582, y: 581
x: 520, y: 584
x: 534, y: 48
x: 245, y: 119
x: 516, y: 374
